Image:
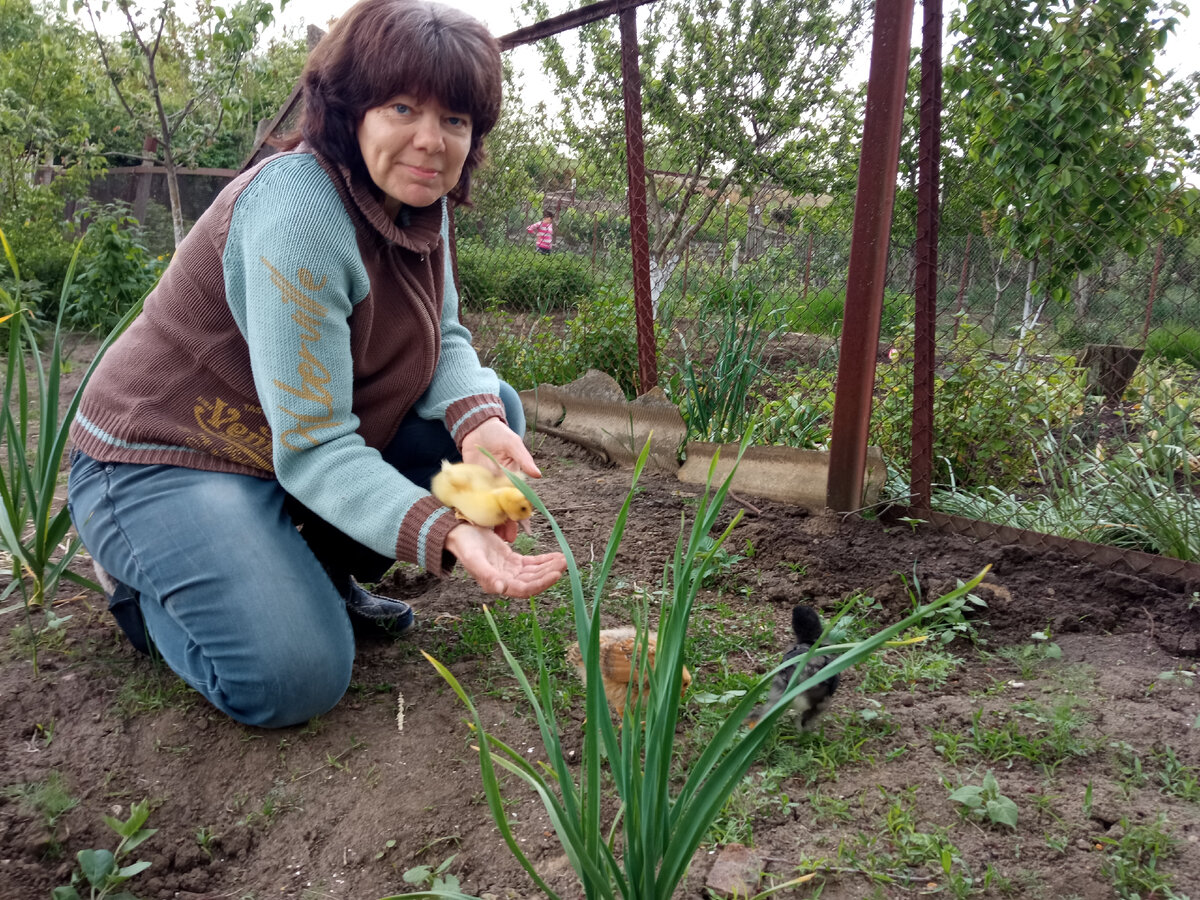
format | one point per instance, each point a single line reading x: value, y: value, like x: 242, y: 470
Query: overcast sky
x: 500, y: 17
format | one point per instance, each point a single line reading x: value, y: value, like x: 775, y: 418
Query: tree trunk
x: 1083, y: 295
x: 1110, y: 368
x: 173, y: 192
x: 661, y: 271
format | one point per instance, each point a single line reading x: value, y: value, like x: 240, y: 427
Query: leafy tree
x: 47, y: 99
x: 737, y: 94
x: 176, y: 80
x: 1079, y: 131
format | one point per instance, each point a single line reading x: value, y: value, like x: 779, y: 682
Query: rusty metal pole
x: 873, y: 202
x: 639, y: 228
x: 928, y: 185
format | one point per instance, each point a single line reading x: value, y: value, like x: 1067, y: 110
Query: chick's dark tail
x: 806, y: 625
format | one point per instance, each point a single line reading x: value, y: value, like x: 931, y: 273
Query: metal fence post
x: 928, y: 185
x: 874, y: 199
x: 639, y: 229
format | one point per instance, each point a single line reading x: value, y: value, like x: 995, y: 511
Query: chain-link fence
x: 1067, y: 323
x: 1067, y: 330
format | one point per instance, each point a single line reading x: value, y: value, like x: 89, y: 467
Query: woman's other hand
x: 497, y: 567
x: 504, y: 444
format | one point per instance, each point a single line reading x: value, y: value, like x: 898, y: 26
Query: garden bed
x: 1098, y: 749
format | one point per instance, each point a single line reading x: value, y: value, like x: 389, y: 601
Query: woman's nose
x: 429, y: 133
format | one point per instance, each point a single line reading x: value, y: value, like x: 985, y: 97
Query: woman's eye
x: 459, y: 121
x: 402, y: 109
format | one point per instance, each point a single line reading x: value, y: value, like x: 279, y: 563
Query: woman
x: 265, y: 432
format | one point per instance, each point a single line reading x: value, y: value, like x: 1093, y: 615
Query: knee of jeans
x: 291, y: 688
x: 514, y: 411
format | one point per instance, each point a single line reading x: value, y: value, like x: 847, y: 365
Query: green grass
x: 1175, y: 341
x: 151, y: 689
x: 908, y: 668
x: 1132, y: 860
x: 48, y: 799
x: 1043, y: 737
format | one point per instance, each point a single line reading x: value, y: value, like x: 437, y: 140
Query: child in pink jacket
x: 544, y: 230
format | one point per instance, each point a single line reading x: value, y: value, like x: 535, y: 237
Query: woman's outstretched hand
x: 498, y: 568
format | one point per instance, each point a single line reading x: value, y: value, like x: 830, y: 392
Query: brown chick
x: 617, y: 663
x: 479, y: 497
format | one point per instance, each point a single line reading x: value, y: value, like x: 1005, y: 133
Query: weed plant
x: 34, y: 526
x: 713, y: 382
x: 645, y: 851
x: 47, y: 799
x: 985, y: 801
x: 1132, y: 860
x: 102, y: 873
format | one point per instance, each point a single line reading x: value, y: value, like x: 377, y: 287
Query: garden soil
x: 344, y: 806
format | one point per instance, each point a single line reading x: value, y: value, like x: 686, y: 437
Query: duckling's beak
x: 526, y: 527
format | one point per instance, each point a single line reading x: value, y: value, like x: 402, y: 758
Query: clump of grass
x: 150, y: 690
x: 1028, y: 658
x: 1132, y: 861
x: 47, y: 799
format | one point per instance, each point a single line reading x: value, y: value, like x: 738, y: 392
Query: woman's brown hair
x: 381, y: 48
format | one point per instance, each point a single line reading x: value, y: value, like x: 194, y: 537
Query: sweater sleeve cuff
x: 422, y: 538
x: 464, y: 416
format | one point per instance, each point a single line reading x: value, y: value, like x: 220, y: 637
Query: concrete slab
x: 592, y: 411
x: 785, y: 474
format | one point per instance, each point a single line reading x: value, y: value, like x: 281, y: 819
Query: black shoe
x: 125, y: 608
x: 395, y: 616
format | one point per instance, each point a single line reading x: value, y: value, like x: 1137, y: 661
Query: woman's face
x: 414, y: 150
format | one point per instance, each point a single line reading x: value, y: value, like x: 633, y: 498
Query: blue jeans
x: 241, y: 604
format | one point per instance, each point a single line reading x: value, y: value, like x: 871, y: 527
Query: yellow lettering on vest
x: 222, y: 423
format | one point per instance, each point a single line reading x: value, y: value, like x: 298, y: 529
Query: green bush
x: 603, y: 335
x: 791, y: 422
x: 115, y: 270
x: 527, y: 358
x: 39, y: 237
x: 1075, y: 334
x: 824, y: 309
x: 1175, y: 341
x: 521, y: 278
x: 988, y: 412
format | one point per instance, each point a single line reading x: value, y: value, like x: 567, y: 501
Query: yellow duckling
x: 479, y: 497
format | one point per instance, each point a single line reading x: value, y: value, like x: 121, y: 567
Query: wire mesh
x: 1065, y: 393
x: 749, y: 152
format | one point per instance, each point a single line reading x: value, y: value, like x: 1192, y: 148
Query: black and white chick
x: 807, y: 628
